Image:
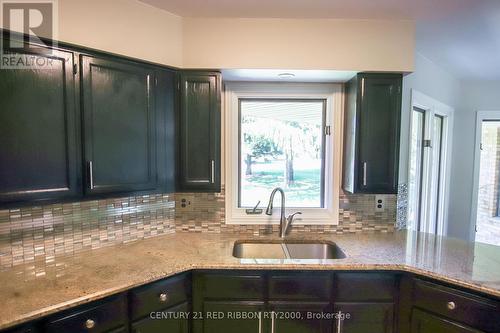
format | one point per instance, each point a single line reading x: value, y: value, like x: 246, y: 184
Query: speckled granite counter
x: 95, y: 274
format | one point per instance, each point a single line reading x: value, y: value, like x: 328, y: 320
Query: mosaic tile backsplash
x: 356, y: 214
x: 38, y: 234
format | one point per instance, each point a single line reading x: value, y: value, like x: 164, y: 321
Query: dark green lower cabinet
x: 300, y: 317
x: 230, y: 316
x: 172, y: 320
x: 256, y: 317
x: 261, y: 302
x: 281, y: 302
x: 365, y: 317
x: 423, y: 322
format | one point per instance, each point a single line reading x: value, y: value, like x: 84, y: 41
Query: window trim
x: 332, y: 93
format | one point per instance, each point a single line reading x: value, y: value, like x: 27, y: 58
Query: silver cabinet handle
x: 364, y: 173
x: 260, y: 322
x: 339, y: 322
x: 451, y: 305
x: 89, y: 324
x: 91, y: 175
x: 273, y: 322
x: 212, y: 171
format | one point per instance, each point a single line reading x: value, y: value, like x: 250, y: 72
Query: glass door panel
x: 426, y: 169
x: 433, y: 215
x: 415, y: 168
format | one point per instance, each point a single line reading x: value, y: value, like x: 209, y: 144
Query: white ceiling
x: 466, y: 44
x: 348, y: 9
x: 463, y: 36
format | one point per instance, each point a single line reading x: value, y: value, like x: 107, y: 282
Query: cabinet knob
x: 163, y: 297
x: 451, y: 305
x: 89, y: 323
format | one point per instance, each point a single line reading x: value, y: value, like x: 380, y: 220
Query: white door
x: 486, y: 191
x: 428, y: 169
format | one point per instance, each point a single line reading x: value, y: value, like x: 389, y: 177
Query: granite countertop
x: 72, y: 280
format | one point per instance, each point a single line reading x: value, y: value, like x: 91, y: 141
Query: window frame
x: 332, y: 94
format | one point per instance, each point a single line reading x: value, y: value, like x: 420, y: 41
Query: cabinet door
x: 422, y: 322
x: 172, y: 320
x: 365, y: 317
x: 38, y: 130
x: 200, y: 132
x: 300, y: 317
x: 380, y: 108
x: 226, y: 316
x: 166, y: 129
x: 109, y: 315
x: 119, y: 132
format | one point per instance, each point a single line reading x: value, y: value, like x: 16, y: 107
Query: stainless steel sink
x: 287, y: 250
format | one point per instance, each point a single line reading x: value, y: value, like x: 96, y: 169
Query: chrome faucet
x: 285, y: 222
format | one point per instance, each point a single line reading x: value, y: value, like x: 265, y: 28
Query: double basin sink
x: 287, y: 249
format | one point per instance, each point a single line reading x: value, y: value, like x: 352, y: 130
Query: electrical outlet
x: 379, y: 203
x: 185, y: 202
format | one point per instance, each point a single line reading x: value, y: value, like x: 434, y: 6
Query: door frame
x: 435, y: 107
x: 480, y: 117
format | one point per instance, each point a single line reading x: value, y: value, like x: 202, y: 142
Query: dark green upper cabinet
x: 120, y: 137
x: 199, y: 132
x: 371, y: 135
x: 39, y: 155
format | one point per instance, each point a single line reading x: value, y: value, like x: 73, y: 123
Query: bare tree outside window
x: 282, y: 144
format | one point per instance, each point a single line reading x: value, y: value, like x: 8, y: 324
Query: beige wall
x: 125, y: 27
x: 134, y: 29
x: 363, y: 45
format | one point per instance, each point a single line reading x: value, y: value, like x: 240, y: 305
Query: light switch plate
x: 379, y: 203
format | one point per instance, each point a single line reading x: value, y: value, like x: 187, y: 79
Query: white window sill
x: 309, y: 217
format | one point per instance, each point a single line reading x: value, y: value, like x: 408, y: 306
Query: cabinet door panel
x: 423, y: 322
x: 146, y: 299
x: 301, y: 317
x: 120, y: 137
x: 174, y: 321
x: 229, y: 321
x: 365, y: 286
x: 200, y: 132
x: 300, y: 285
x: 105, y: 316
x: 231, y: 286
x: 379, y: 134
x: 38, y: 130
x: 469, y: 309
x: 366, y: 317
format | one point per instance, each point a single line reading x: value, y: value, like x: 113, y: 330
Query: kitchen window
x: 282, y: 135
